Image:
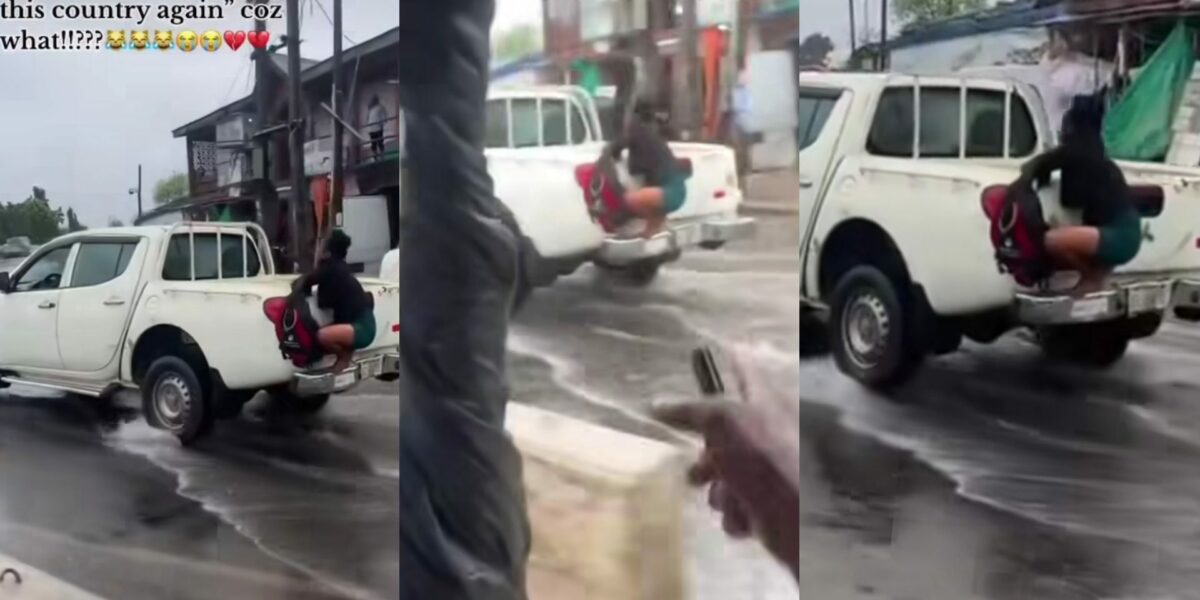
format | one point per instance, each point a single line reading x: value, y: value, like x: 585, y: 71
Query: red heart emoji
x: 259, y: 39
x: 235, y: 39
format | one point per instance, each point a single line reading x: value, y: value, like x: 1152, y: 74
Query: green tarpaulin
x: 589, y: 75
x: 1138, y: 127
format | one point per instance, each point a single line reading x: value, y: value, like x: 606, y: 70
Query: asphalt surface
x: 993, y: 475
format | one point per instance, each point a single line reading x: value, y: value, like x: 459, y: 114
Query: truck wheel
x: 1098, y: 345
x: 173, y: 399
x: 869, y: 329
x: 305, y: 405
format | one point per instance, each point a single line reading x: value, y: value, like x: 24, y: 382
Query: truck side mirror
x: 4, y: 282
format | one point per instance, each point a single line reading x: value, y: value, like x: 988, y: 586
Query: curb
x: 768, y: 208
x: 35, y: 584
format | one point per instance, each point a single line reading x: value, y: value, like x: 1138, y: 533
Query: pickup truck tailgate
x: 1171, y: 239
x: 713, y: 187
x: 387, y: 313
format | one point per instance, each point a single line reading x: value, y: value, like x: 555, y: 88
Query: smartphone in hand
x: 708, y: 375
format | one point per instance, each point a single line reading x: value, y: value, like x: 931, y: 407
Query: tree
x: 73, y: 223
x: 34, y: 218
x: 919, y: 12
x: 517, y: 42
x: 814, y: 50
x: 115, y: 222
x: 171, y: 188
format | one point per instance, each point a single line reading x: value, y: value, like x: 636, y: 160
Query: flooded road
x: 994, y: 475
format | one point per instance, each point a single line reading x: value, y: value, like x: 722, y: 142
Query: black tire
x: 1095, y: 345
x: 871, y: 329
x: 638, y: 274
x: 173, y: 399
x: 304, y: 405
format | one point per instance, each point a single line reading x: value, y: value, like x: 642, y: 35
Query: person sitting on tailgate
x: 339, y: 291
x: 650, y: 158
x: 1111, y: 233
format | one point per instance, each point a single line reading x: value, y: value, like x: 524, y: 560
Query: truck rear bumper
x: 1125, y: 300
x: 667, y: 246
x: 316, y: 384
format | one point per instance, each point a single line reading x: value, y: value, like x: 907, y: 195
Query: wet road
x: 992, y: 476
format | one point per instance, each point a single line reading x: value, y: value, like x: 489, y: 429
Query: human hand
x: 749, y: 464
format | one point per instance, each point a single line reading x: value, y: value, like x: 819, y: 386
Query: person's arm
x: 1038, y: 169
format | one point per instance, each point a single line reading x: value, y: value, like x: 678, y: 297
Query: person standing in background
x: 741, y: 124
x: 376, y: 116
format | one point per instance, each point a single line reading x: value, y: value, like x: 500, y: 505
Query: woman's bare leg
x: 339, y: 340
x: 647, y: 203
x: 1074, y: 248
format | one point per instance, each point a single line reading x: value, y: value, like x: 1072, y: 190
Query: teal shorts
x: 364, y: 330
x: 1120, y: 241
x: 674, y: 193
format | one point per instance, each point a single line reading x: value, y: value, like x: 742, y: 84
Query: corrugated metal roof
x: 1009, y: 15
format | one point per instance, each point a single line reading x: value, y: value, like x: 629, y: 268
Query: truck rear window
x: 895, y: 121
x: 178, y: 264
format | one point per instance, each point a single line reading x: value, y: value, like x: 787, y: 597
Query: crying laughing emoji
x: 139, y: 40
x: 116, y: 39
x: 163, y: 40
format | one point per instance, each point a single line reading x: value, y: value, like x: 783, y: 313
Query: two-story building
x: 230, y: 177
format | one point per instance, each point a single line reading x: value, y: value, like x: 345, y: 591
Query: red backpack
x: 1018, y: 232
x: 603, y: 193
x: 295, y: 328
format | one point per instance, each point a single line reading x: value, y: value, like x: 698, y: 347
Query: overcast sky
x: 832, y: 18
x: 79, y: 123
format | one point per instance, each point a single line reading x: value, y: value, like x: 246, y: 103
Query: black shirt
x: 1090, y: 181
x: 649, y: 155
x: 339, y: 290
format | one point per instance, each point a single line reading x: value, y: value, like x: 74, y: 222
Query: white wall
x: 984, y: 50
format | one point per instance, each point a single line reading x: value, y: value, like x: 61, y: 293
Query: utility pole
x: 268, y: 199
x: 335, y: 193
x: 883, y: 19
x: 139, y: 191
x: 852, y: 36
x: 297, y: 222
x: 687, y: 54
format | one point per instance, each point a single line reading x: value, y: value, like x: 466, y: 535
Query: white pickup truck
x: 896, y: 260
x: 175, y: 311
x: 536, y: 137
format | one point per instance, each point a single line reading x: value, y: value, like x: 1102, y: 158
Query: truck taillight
x: 719, y: 194
x: 991, y: 198
x: 273, y: 307
x: 396, y: 328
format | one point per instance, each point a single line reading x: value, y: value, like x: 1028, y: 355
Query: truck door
x: 822, y: 112
x: 29, y: 312
x: 96, y: 304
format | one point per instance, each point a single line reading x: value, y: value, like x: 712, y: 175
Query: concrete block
x: 606, y: 510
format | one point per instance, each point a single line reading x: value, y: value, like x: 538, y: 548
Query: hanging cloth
x: 589, y: 75
x: 1138, y: 127
x: 712, y: 41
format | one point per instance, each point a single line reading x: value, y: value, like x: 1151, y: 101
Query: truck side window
x: 554, y: 122
x: 101, y: 262
x: 579, y: 130
x: 524, y: 122
x: 814, y: 107
x: 496, y: 132
x: 177, y: 266
x: 892, y: 131
x: 44, y: 274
